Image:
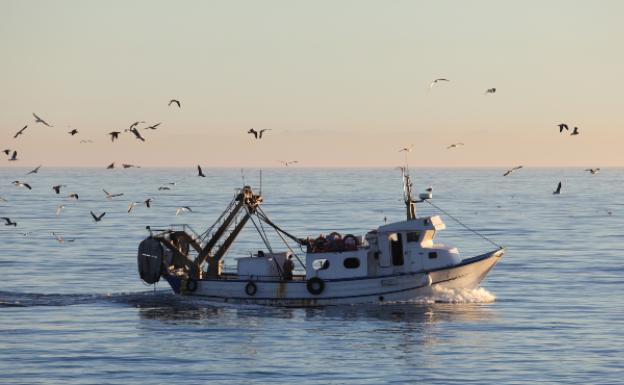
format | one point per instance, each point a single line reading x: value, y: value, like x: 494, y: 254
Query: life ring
x: 191, y: 285
x: 251, y: 288
x: 320, y: 244
x: 315, y: 285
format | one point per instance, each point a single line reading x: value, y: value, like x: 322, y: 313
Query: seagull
x: 183, y: 210
x: 110, y: 166
x: 60, y: 238
x: 593, y: 171
x: 73, y: 195
x: 133, y: 125
x: 7, y: 151
x: 161, y: 188
x: 131, y: 206
x: 114, y: 135
x: 14, y: 156
x: 407, y: 149
x: 512, y: 170
x: 174, y: 101
x: 200, y: 172
x: 254, y: 132
x: 86, y: 141
x: 17, y: 183
x: 8, y: 221
x: 261, y: 131
x: 36, y: 170
x: 57, y: 188
x: 490, y: 91
x: 455, y: 145
x: 137, y: 134
x: 59, y: 209
x: 3, y: 200
x: 20, y: 132
x: 73, y: 132
x: 152, y: 127
x: 288, y: 162
x: 435, y: 81
x: 111, y: 196
x: 575, y: 131
x: 39, y: 120
x: 97, y: 218
x: 126, y: 165
x: 148, y: 202
x: 558, y: 190
x: 562, y: 127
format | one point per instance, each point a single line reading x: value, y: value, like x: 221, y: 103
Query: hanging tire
x: 315, y: 285
x: 251, y: 289
x: 191, y: 285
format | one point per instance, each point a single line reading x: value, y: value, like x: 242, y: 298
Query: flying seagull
x: 60, y: 238
x: 73, y: 196
x: 57, y: 188
x: 36, y: 170
x: 435, y: 81
x: 126, y: 165
x: 39, y: 120
x: 455, y: 145
x: 17, y: 183
x: 490, y: 91
x: 512, y: 170
x: 73, y: 132
x: 131, y: 206
x: 59, y: 209
x: 137, y: 134
x: 152, y: 127
x: 8, y: 221
x: 258, y: 134
x: 407, y: 149
x: 110, y: 166
x: 200, y: 172
x: 14, y: 156
x: 114, y: 135
x: 593, y: 171
x: 111, y: 196
x: 174, y: 101
x: 133, y: 125
x: 161, y: 188
x: 575, y: 131
x: 97, y: 218
x: 558, y: 190
x: 562, y: 127
x: 288, y: 162
x: 183, y: 210
x: 20, y: 132
x: 86, y: 141
x: 7, y: 151
x: 148, y: 202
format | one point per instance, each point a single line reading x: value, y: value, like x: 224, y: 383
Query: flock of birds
x: 134, y: 129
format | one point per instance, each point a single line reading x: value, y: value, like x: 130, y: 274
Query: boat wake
x: 456, y: 296
x: 137, y: 299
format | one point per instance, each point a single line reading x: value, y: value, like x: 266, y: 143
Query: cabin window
x: 320, y: 264
x: 351, y: 263
x: 396, y: 248
x: 433, y: 255
x: 413, y: 236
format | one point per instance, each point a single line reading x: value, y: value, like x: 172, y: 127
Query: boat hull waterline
x: 401, y: 287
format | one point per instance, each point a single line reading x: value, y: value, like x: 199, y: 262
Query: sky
x: 338, y: 83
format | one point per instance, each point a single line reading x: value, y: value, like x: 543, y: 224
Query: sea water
x: 551, y: 311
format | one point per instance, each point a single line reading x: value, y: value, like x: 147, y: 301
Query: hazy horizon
x: 340, y: 84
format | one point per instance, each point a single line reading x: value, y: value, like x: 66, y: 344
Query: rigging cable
x: 465, y: 226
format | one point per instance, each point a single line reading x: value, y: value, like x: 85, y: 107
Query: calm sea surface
x: 552, y: 311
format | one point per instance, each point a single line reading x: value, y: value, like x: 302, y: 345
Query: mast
x: 410, y: 204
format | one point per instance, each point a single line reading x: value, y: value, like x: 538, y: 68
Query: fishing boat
x: 395, y: 262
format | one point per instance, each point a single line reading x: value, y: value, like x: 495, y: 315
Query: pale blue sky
x: 340, y: 83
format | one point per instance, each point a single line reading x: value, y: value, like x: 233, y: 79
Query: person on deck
x: 288, y: 268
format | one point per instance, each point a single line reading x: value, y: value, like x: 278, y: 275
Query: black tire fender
x: 191, y: 285
x: 251, y: 288
x: 315, y: 285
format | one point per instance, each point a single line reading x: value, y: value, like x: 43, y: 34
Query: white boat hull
x: 390, y: 288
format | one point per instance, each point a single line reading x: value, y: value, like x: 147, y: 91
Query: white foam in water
x: 446, y: 295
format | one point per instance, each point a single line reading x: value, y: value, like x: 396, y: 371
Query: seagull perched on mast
x: 20, y: 132
x: 407, y: 149
x: 39, y: 120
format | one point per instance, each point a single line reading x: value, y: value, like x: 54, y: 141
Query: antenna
x: 243, y: 176
x: 260, y: 181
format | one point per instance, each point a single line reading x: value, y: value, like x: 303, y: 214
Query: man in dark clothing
x: 288, y: 268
